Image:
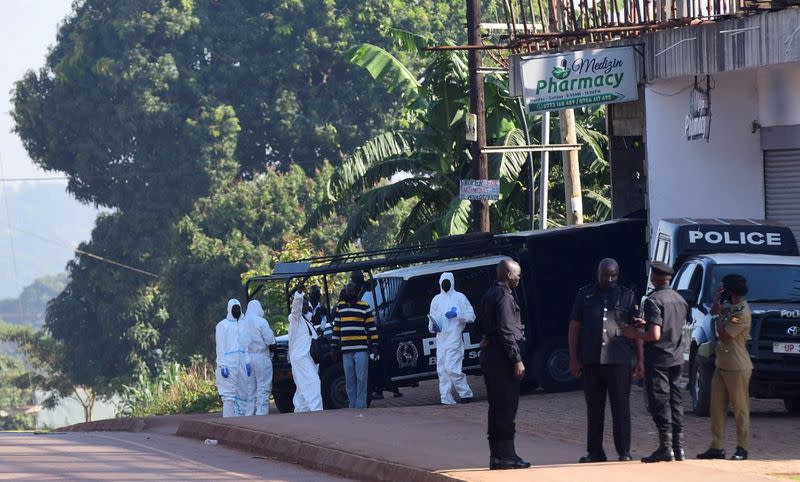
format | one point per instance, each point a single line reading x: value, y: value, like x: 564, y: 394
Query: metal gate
x: 782, y: 187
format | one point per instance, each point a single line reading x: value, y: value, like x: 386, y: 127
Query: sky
x: 42, y: 209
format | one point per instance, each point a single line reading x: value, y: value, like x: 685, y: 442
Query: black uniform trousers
x: 614, y: 381
x: 502, y: 390
x: 664, y: 398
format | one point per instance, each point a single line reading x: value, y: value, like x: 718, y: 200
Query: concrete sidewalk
x: 435, y: 444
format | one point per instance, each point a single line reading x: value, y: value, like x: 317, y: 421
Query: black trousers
x: 613, y: 381
x: 502, y: 390
x: 664, y: 398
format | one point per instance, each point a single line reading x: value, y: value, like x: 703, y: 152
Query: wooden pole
x: 480, y: 163
x: 572, y: 172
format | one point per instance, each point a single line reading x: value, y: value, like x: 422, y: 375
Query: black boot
x: 677, y: 446
x: 494, y: 458
x: 507, y: 457
x: 664, y: 451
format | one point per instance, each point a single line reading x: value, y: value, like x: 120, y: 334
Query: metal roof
x: 440, y: 267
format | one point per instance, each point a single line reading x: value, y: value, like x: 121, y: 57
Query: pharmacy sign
x: 574, y: 79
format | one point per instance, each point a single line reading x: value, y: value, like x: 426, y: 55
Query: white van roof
x: 440, y: 267
x: 746, y: 258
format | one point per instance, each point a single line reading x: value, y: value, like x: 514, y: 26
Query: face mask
x: 236, y: 311
x: 446, y: 285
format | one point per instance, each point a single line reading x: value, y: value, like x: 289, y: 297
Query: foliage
x: 14, y: 400
x: 49, y: 369
x: 29, y: 307
x: 425, y: 163
x: 175, y: 389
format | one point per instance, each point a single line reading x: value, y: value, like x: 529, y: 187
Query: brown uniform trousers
x: 731, y: 382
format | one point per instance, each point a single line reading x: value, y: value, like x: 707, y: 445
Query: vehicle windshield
x: 766, y: 283
x: 386, y: 291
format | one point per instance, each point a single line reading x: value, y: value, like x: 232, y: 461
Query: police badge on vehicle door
x: 407, y: 355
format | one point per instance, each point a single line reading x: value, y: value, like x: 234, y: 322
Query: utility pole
x: 572, y: 172
x: 544, y: 173
x: 480, y: 164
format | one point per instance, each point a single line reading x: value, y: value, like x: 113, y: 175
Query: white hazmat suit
x: 307, y: 397
x: 450, y: 312
x: 233, y: 365
x: 259, y: 337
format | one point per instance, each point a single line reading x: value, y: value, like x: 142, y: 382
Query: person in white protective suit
x: 450, y: 312
x: 259, y: 338
x: 234, y: 371
x: 307, y: 396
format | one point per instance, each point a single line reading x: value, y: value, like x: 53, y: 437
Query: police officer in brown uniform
x: 501, y: 362
x: 665, y: 314
x: 731, y: 382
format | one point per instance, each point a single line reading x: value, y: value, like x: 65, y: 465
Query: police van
x: 702, y: 251
x: 555, y: 264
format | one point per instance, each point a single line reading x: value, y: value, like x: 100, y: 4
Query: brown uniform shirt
x: 736, y: 321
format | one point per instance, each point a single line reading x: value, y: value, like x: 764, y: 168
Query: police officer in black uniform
x: 602, y: 356
x: 665, y: 314
x: 501, y: 362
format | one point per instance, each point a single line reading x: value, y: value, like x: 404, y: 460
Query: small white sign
x: 479, y: 189
x: 472, y: 127
x: 574, y: 79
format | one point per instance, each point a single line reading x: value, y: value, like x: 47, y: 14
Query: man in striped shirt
x: 354, y: 335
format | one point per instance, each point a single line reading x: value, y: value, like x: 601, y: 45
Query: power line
x: 85, y: 253
x: 11, y: 240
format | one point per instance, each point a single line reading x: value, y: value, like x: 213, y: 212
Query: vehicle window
x: 417, y: 296
x: 685, y: 276
x: 767, y: 283
x: 662, y: 249
x: 696, y: 281
x: 419, y: 291
x: 385, y: 292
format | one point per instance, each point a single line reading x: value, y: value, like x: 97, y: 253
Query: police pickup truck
x: 555, y: 264
x: 765, y: 253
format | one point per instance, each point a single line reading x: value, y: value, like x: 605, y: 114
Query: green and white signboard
x: 575, y: 79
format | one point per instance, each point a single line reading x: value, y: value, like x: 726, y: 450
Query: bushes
x: 177, y: 389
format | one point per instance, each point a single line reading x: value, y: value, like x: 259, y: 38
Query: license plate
x: 780, y: 347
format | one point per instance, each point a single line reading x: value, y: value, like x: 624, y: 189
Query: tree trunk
x: 572, y: 171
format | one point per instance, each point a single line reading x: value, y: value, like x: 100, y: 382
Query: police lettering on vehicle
x: 790, y: 313
x: 735, y: 238
x: 470, y: 349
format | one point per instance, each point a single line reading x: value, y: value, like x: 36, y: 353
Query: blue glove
x: 249, y: 369
x: 224, y: 372
x: 452, y: 313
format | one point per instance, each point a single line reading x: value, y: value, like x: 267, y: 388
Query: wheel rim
x: 558, y: 365
x: 338, y: 392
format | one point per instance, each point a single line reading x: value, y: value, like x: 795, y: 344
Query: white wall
x: 778, y: 97
x: 720, y: 178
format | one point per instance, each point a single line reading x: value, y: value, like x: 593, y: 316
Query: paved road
x: 135, y: 456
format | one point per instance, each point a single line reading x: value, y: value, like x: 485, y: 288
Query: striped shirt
x: 354, y: 327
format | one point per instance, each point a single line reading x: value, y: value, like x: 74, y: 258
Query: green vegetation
x: 176, y: 389
x: 221, y: 137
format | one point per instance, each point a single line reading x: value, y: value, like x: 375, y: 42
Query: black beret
x: 661, y: 268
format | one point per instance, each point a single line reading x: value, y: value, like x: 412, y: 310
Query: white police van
x: 702, y: 251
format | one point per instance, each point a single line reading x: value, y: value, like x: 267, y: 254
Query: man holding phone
x: 732, y: 321
x: 661, y: 330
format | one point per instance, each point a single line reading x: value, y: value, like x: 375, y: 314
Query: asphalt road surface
x: 135, y: 456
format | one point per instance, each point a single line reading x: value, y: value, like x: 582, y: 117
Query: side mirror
x: 689, y: 295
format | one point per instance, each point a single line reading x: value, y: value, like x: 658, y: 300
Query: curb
x: 136, y: 424
x: 326, y: 459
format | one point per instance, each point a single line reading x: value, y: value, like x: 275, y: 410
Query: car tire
x: 283, y: 400
x: 551, y: 367
x: 792, y: 405
x: 700, y: 385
